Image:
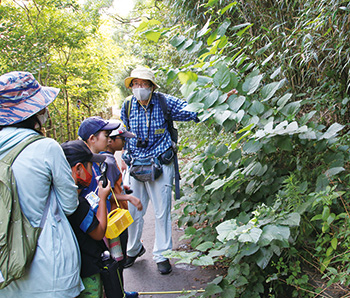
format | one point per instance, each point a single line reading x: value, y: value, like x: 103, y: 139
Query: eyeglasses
x: 141, y: 85
x: 116, y: 137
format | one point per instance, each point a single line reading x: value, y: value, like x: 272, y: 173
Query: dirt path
x: 143, y: 276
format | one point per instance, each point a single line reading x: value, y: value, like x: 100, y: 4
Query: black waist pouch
x: 167, y: 157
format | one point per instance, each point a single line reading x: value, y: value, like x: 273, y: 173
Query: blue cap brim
x: 110, y: 126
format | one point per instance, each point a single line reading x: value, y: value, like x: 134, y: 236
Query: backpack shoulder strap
x: 12, y: 155
x: 174, y: 138
x: 168, y: 118
x: 164, y: 106
x: 127, y: 107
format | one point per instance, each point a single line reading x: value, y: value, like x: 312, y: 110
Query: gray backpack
x: 18, y: 238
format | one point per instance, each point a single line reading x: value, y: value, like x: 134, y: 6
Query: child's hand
x: 103, y: 192
x: 136, y: 202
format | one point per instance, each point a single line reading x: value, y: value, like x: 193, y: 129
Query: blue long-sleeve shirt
x: 151, y: 124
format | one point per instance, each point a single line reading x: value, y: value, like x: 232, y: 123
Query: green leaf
x: 187, y: 44
x: 222, y: 77
x: 325, y: 213
x: 252, y: 147
x: 203, y: 261
x: 240, y: 281
x: 216, y: 184
x: 220, y: 168
x: 210, y: 150
x: 270, y: 89
x: 221, y: 117
x: 267, y: 59
x: 223, y: 27
x: 205, y: 246
x: 194, y: 107
x: 195, y: 47
x: 251, y: 84
x: 284, y: 99
x: 292, y: 220
x: 217, y: 280
x: 188, y: 88
x: 184, y: 77
x: 329, y: 251
x: 211, y: 2
x: 212, y: 38
x: 291, y: 108
x: 252, y: 187
x: 211, y: 99
x: 249, y: 249
x: 334, y: 171
x: 177, y: 40
x: 221, y: 150
x: 305, y: 118
x: 229, y: 292
x: 187, y: 258
x: 273, y: 232
x: 276, y: 73
x: 208, y: 165
x: 236, y: 103
x: 241, y: 32
x: 263, y: 49
x: 334, y: 243
x: 211, y: 290
x: 264, y: 258
x: 316, y: 217
x: 321, y: 183
x: 256, y: 108
x: 171, y: 76
x: 235, y: 155
x: 223, y: 41
x: 190, y: 231
x: 226, y: 230
x: 251, y: 235
x: 147, y: 24
x: 204, y: 30
x: 222, y: 11
x: 332, y: 131
x: 152, y: 35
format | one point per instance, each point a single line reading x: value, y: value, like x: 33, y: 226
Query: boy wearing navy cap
x: 95, y: 131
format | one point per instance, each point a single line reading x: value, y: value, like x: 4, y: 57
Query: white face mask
x: 142, y: 93
x: 43, y: 117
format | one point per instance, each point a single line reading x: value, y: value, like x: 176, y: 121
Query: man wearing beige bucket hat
x: 150, y: 158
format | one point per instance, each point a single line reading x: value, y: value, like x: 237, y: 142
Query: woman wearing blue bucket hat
x: 45, y: 186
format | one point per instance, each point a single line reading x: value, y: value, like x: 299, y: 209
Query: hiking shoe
x: 131, y: 260
x: 164, y: 267
x: 131, y: 294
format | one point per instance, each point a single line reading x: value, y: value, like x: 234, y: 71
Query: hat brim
x: 97, y: 158
x: 128, y: 134
x: 128, y: 81
x: 110, y: 126
x: 20, y: 111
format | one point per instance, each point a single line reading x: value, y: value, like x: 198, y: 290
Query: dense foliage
x: 265, y: 190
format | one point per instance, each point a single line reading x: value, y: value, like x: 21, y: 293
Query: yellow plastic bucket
x: 118, y: 221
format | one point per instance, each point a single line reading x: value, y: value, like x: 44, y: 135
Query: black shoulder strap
x: 127, y: 107
x: 174, y: 137
x: 167, y: 116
